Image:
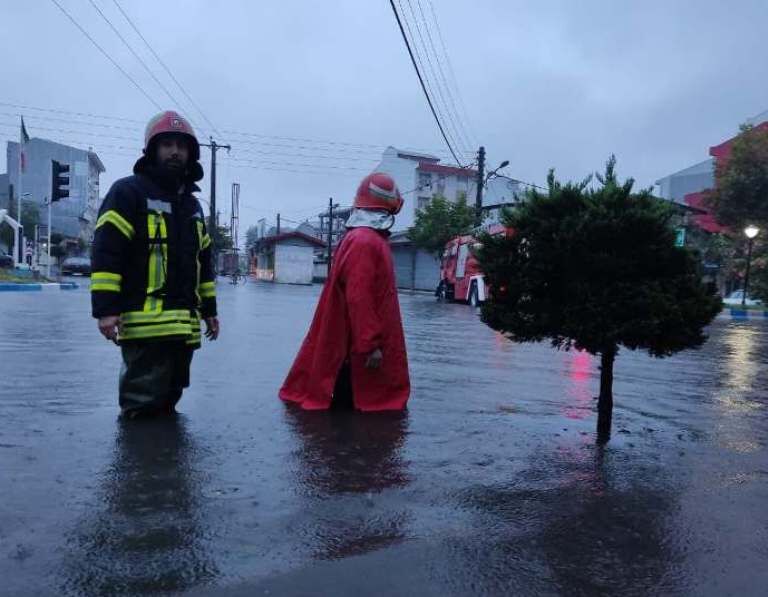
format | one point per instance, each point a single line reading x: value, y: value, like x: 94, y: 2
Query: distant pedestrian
x: 153, y: 277
x: 354, y: 353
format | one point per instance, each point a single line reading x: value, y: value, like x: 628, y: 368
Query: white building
x: 421, y: 176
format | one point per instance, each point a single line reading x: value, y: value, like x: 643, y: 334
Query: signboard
x: 680, y: 237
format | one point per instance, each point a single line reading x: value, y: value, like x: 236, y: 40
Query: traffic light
x: 59, y: 179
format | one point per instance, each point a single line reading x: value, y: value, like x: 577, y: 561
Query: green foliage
x: 30, y: 217
x: 439, y: 222
x: 741, y: 194
x: 595, y: 269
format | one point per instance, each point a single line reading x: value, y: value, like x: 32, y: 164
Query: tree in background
x: 595, y: 269
x: 740, y: 198
x: 222, y: 239
x: 439, y: 222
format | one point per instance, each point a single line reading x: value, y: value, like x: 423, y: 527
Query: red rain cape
x: 358, y: 312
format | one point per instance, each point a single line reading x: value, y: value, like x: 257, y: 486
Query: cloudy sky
x: 309, y: 93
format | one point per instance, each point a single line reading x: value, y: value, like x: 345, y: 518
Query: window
x: 422, y: 202
x: 425, y: 180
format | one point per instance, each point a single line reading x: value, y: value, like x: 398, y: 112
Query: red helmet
x: 171, y: 122
x: 378, y: 191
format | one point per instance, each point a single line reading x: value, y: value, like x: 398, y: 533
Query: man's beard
x: 174, y: 167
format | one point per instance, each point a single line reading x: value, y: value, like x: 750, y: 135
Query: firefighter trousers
x: 153, y: 376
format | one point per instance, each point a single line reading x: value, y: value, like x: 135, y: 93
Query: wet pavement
x: 490, y: 483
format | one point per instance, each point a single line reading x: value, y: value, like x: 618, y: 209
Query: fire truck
x: 460, y: 276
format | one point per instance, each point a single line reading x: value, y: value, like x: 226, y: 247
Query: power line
x: 421, y: 81
x: 442, y: 104
x: 135, y: 54
x: 450, y: 69
x: 120, y: 68
x: 167, y: 70
x: 353, y: 147
x: 461, y: 130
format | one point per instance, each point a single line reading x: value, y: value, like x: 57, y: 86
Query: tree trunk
x: 605, y: 402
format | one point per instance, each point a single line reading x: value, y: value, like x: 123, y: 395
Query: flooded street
x: 490, y: 484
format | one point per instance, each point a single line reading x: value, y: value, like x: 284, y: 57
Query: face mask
x: 370, y: 218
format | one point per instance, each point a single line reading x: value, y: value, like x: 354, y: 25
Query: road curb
x: 48, y: 286
x: 743, y: 314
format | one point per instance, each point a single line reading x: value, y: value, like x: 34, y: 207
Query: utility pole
x: 213, y: 228
x: 480, y: 182
x: 330, y: 233
x: 278, y: 225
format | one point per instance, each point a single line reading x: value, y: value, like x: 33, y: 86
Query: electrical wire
x: 167, y: 70
x: 461, y: 130
x: 421, y: 81
x: 136, y: 55
x: 442, y: 104
x: 112, y: 60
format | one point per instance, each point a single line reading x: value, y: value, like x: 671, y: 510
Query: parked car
x: 76, y: 266
x: 734, y: 299
x: 6, y: 261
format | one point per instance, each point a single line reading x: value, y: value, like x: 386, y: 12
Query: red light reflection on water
x: 579, y: 402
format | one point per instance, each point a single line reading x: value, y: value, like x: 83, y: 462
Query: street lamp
x: 751, y: 232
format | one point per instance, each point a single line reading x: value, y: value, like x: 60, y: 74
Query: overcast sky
x: 547, y: 84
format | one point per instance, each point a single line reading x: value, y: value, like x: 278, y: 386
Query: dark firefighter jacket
x: 151, y: 262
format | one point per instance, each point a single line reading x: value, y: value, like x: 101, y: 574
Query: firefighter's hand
x: 211, y: 328
x: 374, y: 359
x: 109, y: 327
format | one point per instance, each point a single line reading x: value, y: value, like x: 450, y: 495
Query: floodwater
x: 490, y: 484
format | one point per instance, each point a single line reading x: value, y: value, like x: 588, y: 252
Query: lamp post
x: 751, y: 232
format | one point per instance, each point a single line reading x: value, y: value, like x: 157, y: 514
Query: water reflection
x: 579, y: 366
x: 147, y: 537
x: 737, y: 399
x: 346, y: 462
x: 579, y: 521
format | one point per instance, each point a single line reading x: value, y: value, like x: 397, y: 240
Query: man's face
x: 172, y: 152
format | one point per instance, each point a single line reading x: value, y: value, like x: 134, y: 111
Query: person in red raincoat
x: 354, y: 353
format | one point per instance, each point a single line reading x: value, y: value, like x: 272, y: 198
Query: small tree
x: 439, y: 222
x: 740, y: 196
x: 251, y: 236
x: 595, y: 269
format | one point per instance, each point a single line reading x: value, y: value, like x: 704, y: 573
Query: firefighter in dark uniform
x: 153, y: 279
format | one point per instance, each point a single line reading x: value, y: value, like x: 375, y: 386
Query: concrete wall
x: 74, y: 216
x: 294, y: 263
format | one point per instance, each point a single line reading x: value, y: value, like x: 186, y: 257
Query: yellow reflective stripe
x: 154, y: 331
x: 106, y: 277
x: 112, y: 217
x: 130, y: 317
x: 158, y: 257
x: 207, y: 290
x: 138, y: 325
x: 206, y: 241
x: 105, y: 281
x: 105, y: 287
x: 195, y: 336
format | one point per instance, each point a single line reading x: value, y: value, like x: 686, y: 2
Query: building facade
x: 285, y: 258
x: 421, y: 177
x: 75, y: 216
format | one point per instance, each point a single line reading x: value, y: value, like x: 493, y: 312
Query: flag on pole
x: 23, y: 138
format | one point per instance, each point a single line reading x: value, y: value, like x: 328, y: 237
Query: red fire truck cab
x: 460, y: 276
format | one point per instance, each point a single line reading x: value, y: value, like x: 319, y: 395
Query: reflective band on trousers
x: 138, y: 325
x: 105, y: 281
x: 118, y: 221
x: 158, y: 258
